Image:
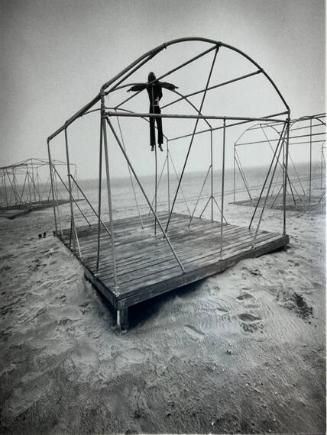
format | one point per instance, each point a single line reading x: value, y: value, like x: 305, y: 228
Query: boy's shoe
x: 160, y: 147
x: 152, y: 148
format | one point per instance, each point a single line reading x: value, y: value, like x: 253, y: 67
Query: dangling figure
x: 154, y: 88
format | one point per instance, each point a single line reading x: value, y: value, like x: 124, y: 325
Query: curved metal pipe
x: 152, y: 53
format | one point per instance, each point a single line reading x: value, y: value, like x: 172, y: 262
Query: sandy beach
x: 240, y: 352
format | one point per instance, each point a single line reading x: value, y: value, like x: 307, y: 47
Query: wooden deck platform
x: 146, y: 266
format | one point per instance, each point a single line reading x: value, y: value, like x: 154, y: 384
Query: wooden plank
x: 133, y: 253
x: 209, y: 246
x: 144, y: 259
x: 143, y: 276
x: 170, y: 283
x: 146, y: 266
x: 133, y: 278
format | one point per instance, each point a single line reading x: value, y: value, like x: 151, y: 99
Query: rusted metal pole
x: 155, y: 187
x: 52, y: 188
x: 168, y: 175
x: 159, y: 180
x: 222, y: 190
x: 310, y: 162
x: 99, y: 194
x: 322, y: 164
x: 234, y: 175
x: 105, y: 143
x: 285, y: 144
x: 211, y: 177
x: 184, y: 116
x: 32, y: 180
x: 5, y: 186
x: 72, y: 221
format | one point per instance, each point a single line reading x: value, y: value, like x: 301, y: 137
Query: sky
x: 57, y: 54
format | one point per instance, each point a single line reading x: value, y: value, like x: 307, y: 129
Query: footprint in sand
x: 244, y: 296
x: 222, y: 307
x: 247, y: 317
x: 250, y: 322
x: 193, y: 332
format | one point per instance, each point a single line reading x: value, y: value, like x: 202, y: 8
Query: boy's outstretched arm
x: 137, y: 87
x: 167, y: 85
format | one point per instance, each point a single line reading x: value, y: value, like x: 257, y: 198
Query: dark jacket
x: 154, y: 90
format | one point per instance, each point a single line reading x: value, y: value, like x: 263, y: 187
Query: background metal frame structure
x: 23, y: 184
x: 306, y: 130
x: 107, y: 114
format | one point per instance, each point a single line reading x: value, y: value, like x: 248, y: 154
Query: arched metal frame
x: 106, y: 114
x: 305, y: 130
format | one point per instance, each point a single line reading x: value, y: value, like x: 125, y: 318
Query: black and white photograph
x: 162, y: 217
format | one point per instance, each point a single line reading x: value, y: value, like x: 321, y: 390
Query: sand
x: 243, y: 351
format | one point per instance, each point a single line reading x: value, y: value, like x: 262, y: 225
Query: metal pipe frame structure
x: 109, y: 113
x: 27, y: 183
x: 309, y: 130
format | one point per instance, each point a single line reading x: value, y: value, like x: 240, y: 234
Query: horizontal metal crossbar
x: 185, y: 116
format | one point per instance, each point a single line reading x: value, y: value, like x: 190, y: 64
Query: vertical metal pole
x: 72, y: 222
x: 285, y: 145
x: 211, y: 178
x: 33, y: 181
x: 105, y: 143
x: 222, y: 189
x: 155, y: 187
x: 168, y: 176
x: 310, y: 164
x: 52, y: 189
x: 5, y: 185
x: 38, y: 183
x: 29, y: 186
x: 234, y: 176
x: 15, y: 187
x: 100, y: 194
x: 321, y: 165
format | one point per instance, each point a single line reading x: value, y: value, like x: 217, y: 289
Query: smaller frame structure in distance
x: 25, y: 186
x: 306, y: 189
x: 132, y: 255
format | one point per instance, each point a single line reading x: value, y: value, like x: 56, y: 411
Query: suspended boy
x: 154, y: 88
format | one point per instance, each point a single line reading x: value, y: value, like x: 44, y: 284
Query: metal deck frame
x: 107, y: 114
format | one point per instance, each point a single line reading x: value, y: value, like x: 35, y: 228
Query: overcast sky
x: 55, y: 54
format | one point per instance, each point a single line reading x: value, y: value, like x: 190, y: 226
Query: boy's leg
x: 159, y: 126
x: 152, y: 134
